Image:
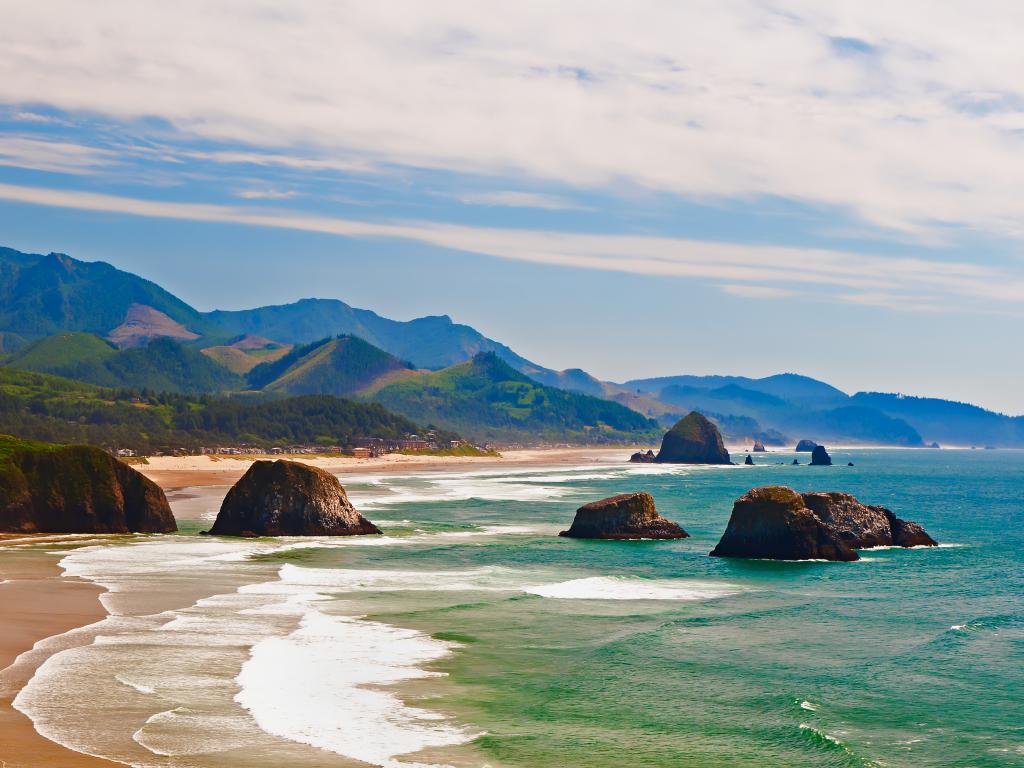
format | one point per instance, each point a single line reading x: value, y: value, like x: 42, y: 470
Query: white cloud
x: 55, y: 156
x: 706, y: 98
x: 757, y: 291
x: 266, y: 194
x: 512, y: 199
x: 755, y: 268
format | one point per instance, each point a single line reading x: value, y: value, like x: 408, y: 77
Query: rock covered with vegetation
x: 47, y: 488
x: 286, y: 498
x: 626, y: 516
x: 693, y: 440
x: 777, y: 523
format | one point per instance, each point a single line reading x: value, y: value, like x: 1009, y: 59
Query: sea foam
x: 320, y: 685
x: 627, y: 588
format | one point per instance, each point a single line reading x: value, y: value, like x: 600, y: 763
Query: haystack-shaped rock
x: 286, y: 498
x: 693, y: 440
x: 627, y: 516
x: 820, y: 457
x: 76, y: 489
x: 778, y: 523
x: 759, y: 447
x: 805, y: 446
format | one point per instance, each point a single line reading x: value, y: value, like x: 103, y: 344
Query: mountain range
x: 91, y: 322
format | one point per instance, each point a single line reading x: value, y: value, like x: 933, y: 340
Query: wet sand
x: 36, y: 603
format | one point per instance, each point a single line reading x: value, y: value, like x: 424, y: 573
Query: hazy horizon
x: 742, y: 188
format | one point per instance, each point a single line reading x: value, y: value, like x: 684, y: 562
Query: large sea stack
x: 627, y: 516
x: 76, y: 489
x: 693, y: 440
x: 286, y: 498
x: 777, y: 523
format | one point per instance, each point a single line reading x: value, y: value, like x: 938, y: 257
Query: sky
x: 634, y: 188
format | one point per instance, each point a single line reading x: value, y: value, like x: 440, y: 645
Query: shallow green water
x: 906, y: 658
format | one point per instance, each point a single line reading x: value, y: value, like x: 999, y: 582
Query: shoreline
x: 37, y: 602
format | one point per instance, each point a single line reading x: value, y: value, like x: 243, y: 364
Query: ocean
x: 470, y: 634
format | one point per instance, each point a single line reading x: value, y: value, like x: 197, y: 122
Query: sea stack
x: 76, y: 489
x: 759, y: 447
x: 777, y: 523
x: 749, y: 461
x: 805, y: 446
x: 627, y: 516
x: 693, y: 440
x: 642, y: 458
x: 820, y: 457
x: 286, y: 498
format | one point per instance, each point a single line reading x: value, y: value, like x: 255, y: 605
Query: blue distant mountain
x: 44, y: 296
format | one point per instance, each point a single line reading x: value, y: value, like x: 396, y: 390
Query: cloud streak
x: 910, y: 115
x: 747, y: 270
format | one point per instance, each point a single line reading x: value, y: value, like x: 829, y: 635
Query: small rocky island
x: 820, y: 457
x: 48, y: 488
x: 642, y: 458
x: 693, y: 440
x: 777, y: 523
x: 806, y: 446
x: 626, y: 516
x: 286, y: 498
x: 759, y: 447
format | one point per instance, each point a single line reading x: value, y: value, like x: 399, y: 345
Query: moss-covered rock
x: 76, y: 489
x: 693, y: 440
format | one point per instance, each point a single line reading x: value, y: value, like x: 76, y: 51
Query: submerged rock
x: 759, y: 447
x: 286, y: 498
x: 76, y: 489
x: 627, y: 516
x: 778, y: 523
x: 796, y: 462
x: 820, y: 457
x: 693, y: 440
x: 805, y: 446
x: 642, y: 458
x: 749, y: 461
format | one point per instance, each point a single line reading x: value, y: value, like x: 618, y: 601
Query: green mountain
x: 344, y: 366
x: 946, y: 421
x: 489, y: 400
x: 791, y: 387
x: 42, y: 295
x: 163, y: 365
x: 42, y: 407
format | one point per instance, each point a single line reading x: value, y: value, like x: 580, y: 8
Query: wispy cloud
x: 757, y: 291
x: 907, y: 114
x: 266, y: 194
x: 757, y: 270
x: 512, y: 199
x: 54, y: 156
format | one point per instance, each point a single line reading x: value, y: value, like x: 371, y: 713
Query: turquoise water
x: 907, y: 658
x: 472, y: 635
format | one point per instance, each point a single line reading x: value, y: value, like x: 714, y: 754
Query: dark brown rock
x: 642, y: 458
x: 693, y: 440
x: 286, y: 498
x: 774, y: 523
x: 77, y: 489
x: 780, y: 524
x: 627, y: 516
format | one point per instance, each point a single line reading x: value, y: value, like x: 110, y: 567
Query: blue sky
x: 635, y: 189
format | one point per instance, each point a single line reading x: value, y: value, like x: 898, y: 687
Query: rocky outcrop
x: 777, y: 523
x: 820, y: 457
x: 642, y: 458
x: 749, y: 461
x: 693, y: 440
x: 76, y: 489
x: 805, y: 446
x: 286, y: 498
x: 759, y: 447
x: 627, y: 516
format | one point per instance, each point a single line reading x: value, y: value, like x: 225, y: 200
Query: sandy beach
x: 171, y: 472
x: 36, y: 602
